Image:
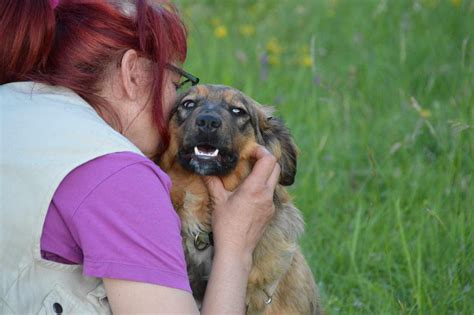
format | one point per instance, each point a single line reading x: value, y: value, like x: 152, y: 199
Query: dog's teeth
x: 206, y: 154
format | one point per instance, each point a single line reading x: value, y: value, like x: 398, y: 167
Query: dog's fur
x: 216, y: 116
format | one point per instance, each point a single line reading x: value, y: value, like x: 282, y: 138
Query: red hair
x: 74, y: 44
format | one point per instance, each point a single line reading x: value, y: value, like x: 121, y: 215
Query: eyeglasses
x: 188, y: 77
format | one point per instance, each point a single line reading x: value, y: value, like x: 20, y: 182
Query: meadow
x: 379, y: 96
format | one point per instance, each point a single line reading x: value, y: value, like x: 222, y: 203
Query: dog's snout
x: 207, y: 122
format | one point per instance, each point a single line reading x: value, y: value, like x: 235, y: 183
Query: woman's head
x: 77, y: 43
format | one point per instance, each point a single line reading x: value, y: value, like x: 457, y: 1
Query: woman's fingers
x: 264, y: 166
x: 274, y: 176
x: 266, y: 172
x: 216, y: 188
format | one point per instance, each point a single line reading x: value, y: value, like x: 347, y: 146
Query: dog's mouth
x: 206, y: 152
x: 207, y: 159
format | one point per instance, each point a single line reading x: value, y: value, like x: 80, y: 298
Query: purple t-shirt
x: 114, y: 216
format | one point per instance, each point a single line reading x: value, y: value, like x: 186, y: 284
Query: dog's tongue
x: 206, y: 151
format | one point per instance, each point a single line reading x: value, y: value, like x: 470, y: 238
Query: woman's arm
x: 130, y: 297
x: 225, y: 292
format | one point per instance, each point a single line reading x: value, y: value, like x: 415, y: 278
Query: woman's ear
x: 130, y: 74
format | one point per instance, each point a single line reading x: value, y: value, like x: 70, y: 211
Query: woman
x: 86, y: 90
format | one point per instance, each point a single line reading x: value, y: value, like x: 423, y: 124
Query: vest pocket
x: 61, y: 302
x: 58, y: 301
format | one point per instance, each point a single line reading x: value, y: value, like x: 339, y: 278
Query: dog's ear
x: 275, y: 136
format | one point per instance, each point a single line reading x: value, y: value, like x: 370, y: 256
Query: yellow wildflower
x: 425, y: 113
x: 332, y: 8
x: 220, y: 31
x: 247, y: 30
x: 274, y: 60
x: 273, y: 46
x: 306, y: 61
x: 431, y: 3
x: 456, y: 3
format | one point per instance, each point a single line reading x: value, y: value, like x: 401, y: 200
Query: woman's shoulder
x: 110, y: 163
x: 127, y: 167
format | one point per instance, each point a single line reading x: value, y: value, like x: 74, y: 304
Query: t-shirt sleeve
x: 127, y: 229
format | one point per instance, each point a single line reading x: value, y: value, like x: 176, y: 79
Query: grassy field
x: 379, y: 96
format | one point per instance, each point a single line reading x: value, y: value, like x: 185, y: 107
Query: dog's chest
x: 195, y: 220
x: 194, y: 212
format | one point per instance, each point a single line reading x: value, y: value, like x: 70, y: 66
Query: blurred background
x: 379, y: 96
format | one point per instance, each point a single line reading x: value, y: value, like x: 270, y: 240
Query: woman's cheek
x: 169, y: 99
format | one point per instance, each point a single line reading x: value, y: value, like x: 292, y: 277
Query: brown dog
x: 213, y: 129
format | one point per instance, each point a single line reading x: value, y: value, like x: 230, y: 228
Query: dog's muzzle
x: 206, y: 149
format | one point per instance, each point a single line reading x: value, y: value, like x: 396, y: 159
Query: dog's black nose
x: 207, y: 122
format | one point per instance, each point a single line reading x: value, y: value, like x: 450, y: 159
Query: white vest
x: 46, y: 132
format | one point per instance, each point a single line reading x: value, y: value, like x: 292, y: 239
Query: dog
x: 213, y: 129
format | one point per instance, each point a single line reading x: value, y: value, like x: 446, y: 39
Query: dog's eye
x: 188, y: 104
x: 238, y: 111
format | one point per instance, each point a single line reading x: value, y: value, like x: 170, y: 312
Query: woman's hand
x: 238, y: 222
x: 240, y: 217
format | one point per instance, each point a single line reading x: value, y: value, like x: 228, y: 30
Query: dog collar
x: 202, y: 240
x: 269, y: 297
x: 267, y: 301
x: 270, y: 289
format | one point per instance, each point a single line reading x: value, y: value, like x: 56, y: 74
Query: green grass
x: 379, y: 96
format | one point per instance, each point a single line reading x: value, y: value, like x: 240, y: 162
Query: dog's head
x: 214, y: 127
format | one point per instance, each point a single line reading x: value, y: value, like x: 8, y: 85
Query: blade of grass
x: 403, y: 240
